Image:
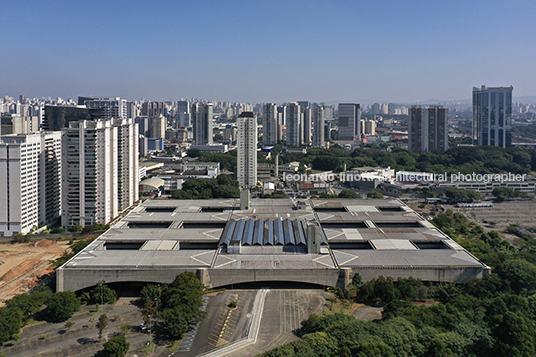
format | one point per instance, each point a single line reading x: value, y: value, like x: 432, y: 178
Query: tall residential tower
x: 269, y: 124
x: 247, y: 149
x: 428, y: 129
x: 202, y: 115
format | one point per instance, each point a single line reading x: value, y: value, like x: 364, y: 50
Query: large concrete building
x: 428, y: 129
x: 349, y: 120
x: 30, y: 181
x: 247, y: 149
x: 492, y: 116
x: 321, y: 242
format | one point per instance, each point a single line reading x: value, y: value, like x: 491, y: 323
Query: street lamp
x: 150, y: 333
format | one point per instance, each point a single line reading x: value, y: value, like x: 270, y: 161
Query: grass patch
x: 173, y: 346
x: 338, y: 306
x: 124, y: 328
x: 149, y: 349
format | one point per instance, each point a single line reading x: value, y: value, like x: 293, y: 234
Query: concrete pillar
x: 313, y: 238
x: 276, y: 165
x: 245, y: 198
x: 59, y: 280
x: 345, y: 278
x: 204, y: 277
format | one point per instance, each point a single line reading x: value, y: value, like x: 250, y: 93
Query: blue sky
x: 383, y: 50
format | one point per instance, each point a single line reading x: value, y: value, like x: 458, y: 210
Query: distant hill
x: 528, y: 99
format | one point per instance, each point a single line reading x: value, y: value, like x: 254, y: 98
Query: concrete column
x: 204, y: 277
x: 59, y: 280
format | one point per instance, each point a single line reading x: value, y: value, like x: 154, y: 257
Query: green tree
x: 374, y: 194
x: 175, y: 323
x: 519, y: 273
x: 11, y: 320
x: 349, y: 194
x: 116, y: 347
x: 101, y: 292
x: 102, y: 323
x: 61, y: 306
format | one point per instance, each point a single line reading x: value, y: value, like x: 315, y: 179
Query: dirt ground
x: 21, y: 265
x: 501, y: 215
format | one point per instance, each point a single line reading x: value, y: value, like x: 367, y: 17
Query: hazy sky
x: 382, y: 50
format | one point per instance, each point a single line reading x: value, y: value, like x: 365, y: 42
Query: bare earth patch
x: 21, y: 265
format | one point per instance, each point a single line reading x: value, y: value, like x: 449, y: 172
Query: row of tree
x: 223, y: 186
x: 460, y: 159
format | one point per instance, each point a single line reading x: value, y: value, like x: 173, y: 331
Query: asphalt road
x: 284, y: 310
x: 222, y: 324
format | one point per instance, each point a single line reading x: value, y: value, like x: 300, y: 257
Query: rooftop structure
x: 322, y: 242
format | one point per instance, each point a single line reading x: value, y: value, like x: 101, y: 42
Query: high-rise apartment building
x: 89, y: 173
x: 349, y: 120
x: 18, y: 124
x: 202, y: 114
x: 112, y: 107
x: 247, y: 150
x: 154, y: 108
x: 368, y: 127
x: 318, y: 127
x: 293, y: 127
x: 306, y: 126
x: 158, y: 126
x: 30, y: 181
x: 428, y: 129
x: 127, y: 162
x: 269, y: 124
x: 281, y: 121
x: 132, y: 110
x: 492, y: 116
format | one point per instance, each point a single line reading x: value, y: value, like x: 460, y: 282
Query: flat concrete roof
x: 163, y: 235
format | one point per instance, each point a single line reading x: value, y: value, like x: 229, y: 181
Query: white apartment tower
x: 127, y: 162
x: 89, y: 173
x: 247, y: 149
x: 202, y: 114
x: 269, y: 124
x: 318, y: 128
x: 30, y: 177
x: 306, y: 125
x: 293, y: 124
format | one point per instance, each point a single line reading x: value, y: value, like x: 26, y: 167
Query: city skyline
x: 276, y: 52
